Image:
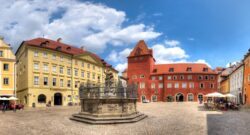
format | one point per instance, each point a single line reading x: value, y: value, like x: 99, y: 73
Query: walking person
x: 3, y: 107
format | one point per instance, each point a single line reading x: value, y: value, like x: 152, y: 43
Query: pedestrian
x: 3, y: 107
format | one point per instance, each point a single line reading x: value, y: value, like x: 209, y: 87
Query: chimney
x: 59, y: 40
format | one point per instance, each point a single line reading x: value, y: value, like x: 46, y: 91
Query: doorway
x: 58, y: 99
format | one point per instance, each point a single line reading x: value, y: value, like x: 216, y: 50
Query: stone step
x: 108, y: 118
x: 120, y: 121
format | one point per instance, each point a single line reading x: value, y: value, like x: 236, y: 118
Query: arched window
x: 190, y: 97
x: 41, y: 98
x: 154, y: 98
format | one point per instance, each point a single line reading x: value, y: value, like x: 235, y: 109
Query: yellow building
x: 50, y: 72
x: 7, y: 70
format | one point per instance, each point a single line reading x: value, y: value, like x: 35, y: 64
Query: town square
x: 107, y: 67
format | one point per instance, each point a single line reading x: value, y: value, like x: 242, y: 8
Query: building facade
x: 168, y: 82
x: 7, y: 70
x: 236, y: 83
x: 246, y: 85
x: 50, y: 72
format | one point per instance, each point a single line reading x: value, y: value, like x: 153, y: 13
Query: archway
x: 169, y: 98
x: 58, y: 99
x: 190, y: 97
x: 154, y: 98
x: 143, y: 98
x: 200, y: 97
x: 41, y: 98
x: 179, y: 97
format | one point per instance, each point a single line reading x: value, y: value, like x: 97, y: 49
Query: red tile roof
x: 141, y: 48
x: 62, y: 47
x: 182, y: 68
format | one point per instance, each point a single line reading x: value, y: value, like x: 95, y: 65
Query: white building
x: 236, y: 83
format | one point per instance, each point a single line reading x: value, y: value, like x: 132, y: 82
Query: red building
x: 168, y: 82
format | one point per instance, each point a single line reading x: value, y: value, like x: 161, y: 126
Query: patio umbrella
x: 230, y: 95
x: 215, y: 94
x: 13, y: 98
x: 4, y: 98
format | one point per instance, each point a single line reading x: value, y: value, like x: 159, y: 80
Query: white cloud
x: 203, y: 61
x: 164, y: 54
x: 121, y: 67
x: 232, y: 63
x: 172, y: 42
x: 79, y: 23
x: 119, y: 56
x: 191, y: 39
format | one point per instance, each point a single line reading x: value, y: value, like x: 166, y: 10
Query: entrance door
x: 179, y: 97
x: 190, y: 97
x: 58, y: 99
x: 200, y: 97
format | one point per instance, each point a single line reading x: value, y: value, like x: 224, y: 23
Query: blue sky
x: 208, y: 31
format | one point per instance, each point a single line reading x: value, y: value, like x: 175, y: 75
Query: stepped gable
x: 182, y: 68
x: 141, y: 49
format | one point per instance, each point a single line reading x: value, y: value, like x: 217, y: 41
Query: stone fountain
x: 108, y: 104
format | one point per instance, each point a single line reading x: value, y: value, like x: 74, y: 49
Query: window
x: 160, y: 77
x: 54, y: 81
x: 169, y: 85
x: 169, y: 77
x: 61, y: 82
x: 61, y: 70
x: 76, y: 72
x: 45, y: 68
x: 36, y: 54
x: 176, y: 85
x: 182, y: 77
x: 6, y: 81
x: 171, y: 70
x: 184, y: 85
x: 54, y: 69
x: 190, y: 97
x: 69, y: 82
x: 211, y: 85
x: 200, y: 77
x: 142, y: 76
x: 201, y: 85
x: 189, y: 69
x: 36, y: 80
x: 53, y: 57
x: 45, y: 54
x: 175, y: 77
x: 142, y: 85
x: 36, y: 66
x: 1, y: 53
x: 206, y: 77
x: 88, y: 65
x: 76, y: 84
x: 205, y: 69
x: 5, y: 67
x: 160, y: 85
x: 212, y: 77
x: 82, y: 64
x: 134, y: 77
x: 93, y: 75
x: 152, y: 85
x: 41, y: 98
x: 248, y: 78
x: 93, y: 67
x: 61, y: 58
x: 88, y: 75
x: 153, y: 77
x: 45, y: 81
x: 69, y: 71
x: 76, y: 63
x: 191, y: 85
x: 189, y: 77
x: 82, y: 73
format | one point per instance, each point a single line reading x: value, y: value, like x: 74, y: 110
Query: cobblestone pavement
x: 163, y: 119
